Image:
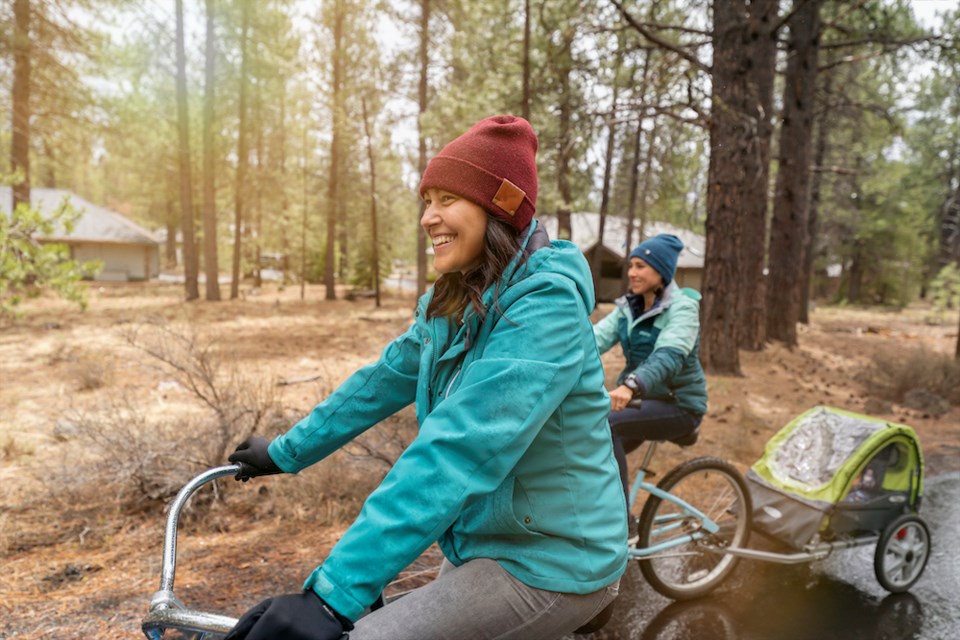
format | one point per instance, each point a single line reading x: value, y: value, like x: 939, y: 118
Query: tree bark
x: 333, y: 184
x: 187, y: 225
x: 855, y: 277
x: 422, y: 158
x: 306, y: 200
x: 721, y: 279
x: 210, y: 264
x: 607, y: 173
x: 632, y: 199
x: 242, y: 152
x: 761, y: 66
x: 564, y: 226
x: 20, y: 138
x: 789, y: 227
x: 170, y: 219
x: 258, y: 181
x: 635, y: 171
x: 525, y: 107
x: 374, y: 242
x: 949, y: 237
x: 813, y: 213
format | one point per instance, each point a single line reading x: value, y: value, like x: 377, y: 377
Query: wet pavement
x: 838, y: 598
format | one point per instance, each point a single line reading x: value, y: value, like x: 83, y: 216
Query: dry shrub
x: 138, y: 459
x: 6, y: 534
x: 90, y: 372
x: 328, y: 493
x: 333, y: 491
x: 11, y: 448
x: 899, y: 375
x: 141, y: 461
x: 239, y: 406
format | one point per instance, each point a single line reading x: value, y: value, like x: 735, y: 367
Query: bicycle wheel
x: 685, y: 570
x: 902, y: 553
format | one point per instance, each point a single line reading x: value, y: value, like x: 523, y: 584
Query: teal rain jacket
x: 662, y: 347
x: 513, y: 460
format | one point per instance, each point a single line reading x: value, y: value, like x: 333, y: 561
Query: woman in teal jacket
x: 658, y: 326
x: 512, y: 471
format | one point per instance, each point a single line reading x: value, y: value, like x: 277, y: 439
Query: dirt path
x: 80, y: 561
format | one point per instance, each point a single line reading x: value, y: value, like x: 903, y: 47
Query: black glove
x: 253, y: 459
x: 296, y: 616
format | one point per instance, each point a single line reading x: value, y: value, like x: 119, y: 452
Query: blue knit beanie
x: 661, y: 253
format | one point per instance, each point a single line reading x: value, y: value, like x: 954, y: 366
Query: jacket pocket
x: 514, y: 511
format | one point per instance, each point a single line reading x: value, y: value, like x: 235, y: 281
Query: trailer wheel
x: 902, y: 553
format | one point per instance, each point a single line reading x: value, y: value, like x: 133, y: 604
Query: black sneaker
x: 633, y: 533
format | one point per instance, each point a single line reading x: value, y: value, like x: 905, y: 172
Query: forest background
x: 801, y: 137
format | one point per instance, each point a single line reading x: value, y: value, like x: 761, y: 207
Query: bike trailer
x: 830, y: 473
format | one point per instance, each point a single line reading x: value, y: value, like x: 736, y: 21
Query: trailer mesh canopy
x: 819, y: 445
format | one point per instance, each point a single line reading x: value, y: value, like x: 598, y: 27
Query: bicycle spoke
x: 689, y: 560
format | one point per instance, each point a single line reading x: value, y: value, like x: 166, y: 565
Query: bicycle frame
x: 673, y: 521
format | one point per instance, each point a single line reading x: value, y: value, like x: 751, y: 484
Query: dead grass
x: 85, y: 473
x: 894, y: 375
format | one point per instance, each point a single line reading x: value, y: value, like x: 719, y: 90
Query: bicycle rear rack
x: 167, y: 613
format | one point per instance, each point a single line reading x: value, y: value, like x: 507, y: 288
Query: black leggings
x: 654, y: 420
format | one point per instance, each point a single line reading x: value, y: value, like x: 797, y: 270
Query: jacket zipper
x: 452, y: 380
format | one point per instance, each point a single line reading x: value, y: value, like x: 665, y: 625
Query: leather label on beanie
x: 509, y: 197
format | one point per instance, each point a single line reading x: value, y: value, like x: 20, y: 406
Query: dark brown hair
x: 453, y: 291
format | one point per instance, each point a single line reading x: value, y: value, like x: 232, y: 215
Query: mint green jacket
x: 513, y: 459
x: 662, y: 347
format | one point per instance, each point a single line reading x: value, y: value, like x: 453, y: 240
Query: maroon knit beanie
x: 493, y: 165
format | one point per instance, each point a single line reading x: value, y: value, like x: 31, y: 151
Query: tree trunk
x: 949, y: 249
x: 597, y: 260
x: 20, y: 138
x: 187, y: 221
x: 306, y: 198
x: 343, y: 240
x: 813, y: 213
x: 374, y: 242
x: 789, y: 227
x: 564, y: 143
x: 635, y: 172
x: 49, y: 179
x: 258, y: 225
x: 721, y: 278
x: 210, y: 263
x: 855, y: 277
x: 333, y: 185
x: 525, y: 107
x: 761, y: 65
x: 242, y: 152
x: 632, y: 200
x: 422, y: 158
x: 170, y: 220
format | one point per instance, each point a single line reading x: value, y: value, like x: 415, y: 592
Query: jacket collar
x: 536, y: 238
x: 662, y: 304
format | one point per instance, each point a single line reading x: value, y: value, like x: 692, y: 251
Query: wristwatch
x: 632, y: 382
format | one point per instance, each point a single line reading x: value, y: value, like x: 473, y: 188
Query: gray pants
x: 479, y: 599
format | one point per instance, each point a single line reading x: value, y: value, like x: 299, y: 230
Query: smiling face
x: 643, y: 278
x: 457, y: 227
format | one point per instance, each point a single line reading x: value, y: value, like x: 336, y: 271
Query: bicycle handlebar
x: 168, y: 568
